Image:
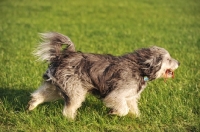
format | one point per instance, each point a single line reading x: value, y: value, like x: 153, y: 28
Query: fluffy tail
x: 52, y: 46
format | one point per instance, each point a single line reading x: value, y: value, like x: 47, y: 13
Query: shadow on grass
x: 15, y: 99
x: 95, y: 104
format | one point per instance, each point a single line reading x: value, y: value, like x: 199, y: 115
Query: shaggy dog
x: 117, y: 80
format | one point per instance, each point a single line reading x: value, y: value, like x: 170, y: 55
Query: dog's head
x: 168, y: 64
x: 156, y: 62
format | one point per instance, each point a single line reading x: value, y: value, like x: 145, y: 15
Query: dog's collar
x: 146, y: 79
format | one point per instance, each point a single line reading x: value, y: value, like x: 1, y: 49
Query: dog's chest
x: 142, y: 86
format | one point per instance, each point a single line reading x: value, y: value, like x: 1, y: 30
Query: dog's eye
x: 169, y: 60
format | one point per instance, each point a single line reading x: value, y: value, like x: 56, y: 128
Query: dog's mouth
x: 169, y: 73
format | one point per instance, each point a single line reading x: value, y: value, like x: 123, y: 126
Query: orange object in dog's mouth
x: 169, y: 73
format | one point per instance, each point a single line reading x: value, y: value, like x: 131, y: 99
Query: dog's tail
x: 52, y: 46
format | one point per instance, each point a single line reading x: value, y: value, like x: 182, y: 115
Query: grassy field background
x: 114, y: 27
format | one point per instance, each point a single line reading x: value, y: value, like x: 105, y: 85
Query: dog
x: 117, y: 80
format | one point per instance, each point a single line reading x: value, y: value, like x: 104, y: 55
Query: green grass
x: 114, y: 27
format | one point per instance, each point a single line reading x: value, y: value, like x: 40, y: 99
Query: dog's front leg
x: 133, y: 106
x: 117, y: 103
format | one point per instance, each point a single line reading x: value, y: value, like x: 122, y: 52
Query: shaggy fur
x: 117, y: 80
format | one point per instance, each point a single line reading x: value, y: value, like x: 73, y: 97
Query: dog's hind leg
x: 47, y: 92
x: 74, y: 98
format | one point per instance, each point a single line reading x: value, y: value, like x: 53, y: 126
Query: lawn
x: 115, y: 27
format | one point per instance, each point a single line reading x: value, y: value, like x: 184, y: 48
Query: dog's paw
x: 136, y: 112
x: 69, y: 113
x: 112, y: 112
x: 118, y: 112
x: 31, y: 105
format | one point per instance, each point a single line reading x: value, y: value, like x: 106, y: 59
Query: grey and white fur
x: 117, y: 80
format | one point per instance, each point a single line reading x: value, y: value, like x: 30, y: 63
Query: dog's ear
x: 148, y: 60
x: 156, y: 60
x: 151, y: 66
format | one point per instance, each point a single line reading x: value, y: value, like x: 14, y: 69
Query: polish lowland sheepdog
x: 117, y: 80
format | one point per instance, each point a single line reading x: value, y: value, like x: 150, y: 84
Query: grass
x: 114, y: 27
